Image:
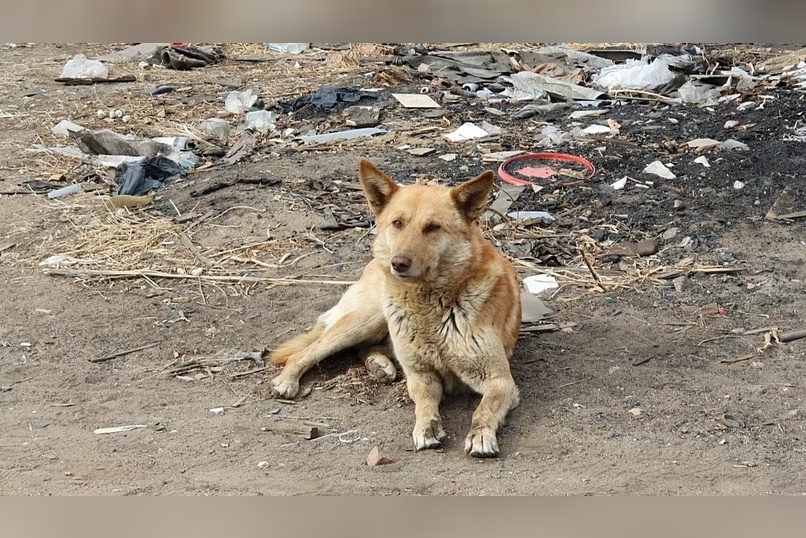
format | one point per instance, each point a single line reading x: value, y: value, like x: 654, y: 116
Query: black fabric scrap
x: 141, y: 177
x: 327, y: 97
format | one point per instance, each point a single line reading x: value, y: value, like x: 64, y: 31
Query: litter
x: 532, y: 309
x: 141, y: 177
x: 634, y: 74
x: 659, y: 169
x: 703, y: 160
x: 327, y: 97
x: 579, y: 114
x: 527, y: 86
x: 341, y: 135
x: 702, y: 143
x: 130, y: 54
x: 537, y: 284
x: 692, y: 93
x: 260, y: 120
x: 79, y: 67
x: 64, y: 191
x: 183, y: 58
x: 66, y: 128
x: 218, y: 127
x: 532, y: 215
x: 119, y: 429
x: 239, y: 102
x: 734, y: 144
x: 448, y: 157
x: 620, y: 184
x: 597, y: 129
x: 467, y: 131
x: 514, y: 165
x: 415, y: 100
x: 738, y: 185
x: 288, y: 48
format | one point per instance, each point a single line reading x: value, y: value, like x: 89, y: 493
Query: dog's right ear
x: 378, y: 187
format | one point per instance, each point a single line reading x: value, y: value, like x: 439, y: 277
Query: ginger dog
x: 440, y: 293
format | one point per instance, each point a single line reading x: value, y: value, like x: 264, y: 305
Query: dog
x: 437, y: 296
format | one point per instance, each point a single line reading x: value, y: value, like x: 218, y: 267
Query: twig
x: 138, y: 273
x: 569, y: 384
x: 192, y: 248
x: 716, y: 338
x: 792, y: 335
x: 125, y: 352
x: 248, y: 372
x: 740, y: 359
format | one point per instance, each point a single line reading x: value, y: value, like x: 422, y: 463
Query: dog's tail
x: 298, y: 344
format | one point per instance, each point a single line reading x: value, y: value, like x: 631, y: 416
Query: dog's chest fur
x: 432, y: 329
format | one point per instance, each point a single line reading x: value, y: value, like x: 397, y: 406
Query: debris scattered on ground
x: 183, y: 58
x: 659, y: 169
x: 415, y: 100
x: 119, y: 429
x: 293, y: 430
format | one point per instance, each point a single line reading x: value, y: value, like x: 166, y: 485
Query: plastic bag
x: 80, y: 67
x: 239, y: 102
x: 260, y: 120
x: 289, y: 48
x: 635, y: 75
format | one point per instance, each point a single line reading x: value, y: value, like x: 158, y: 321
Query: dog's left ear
x: 471, y: 196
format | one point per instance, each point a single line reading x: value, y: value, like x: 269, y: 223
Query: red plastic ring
x: 512, y: 180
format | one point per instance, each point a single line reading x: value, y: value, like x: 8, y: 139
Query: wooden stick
x: 792, y: 335
x: 248, y: 372
x: 136, y: 273
x: 740, y: 359
x: 306, y: 432
x: 125, y: 352
x: 192, y: 248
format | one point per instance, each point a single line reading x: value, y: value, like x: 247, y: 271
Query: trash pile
x: 561, y: 127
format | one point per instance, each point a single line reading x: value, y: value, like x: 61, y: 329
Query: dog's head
x: 424, y: 230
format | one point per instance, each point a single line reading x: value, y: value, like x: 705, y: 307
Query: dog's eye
x: 431, y: 228
x: 397, y: 223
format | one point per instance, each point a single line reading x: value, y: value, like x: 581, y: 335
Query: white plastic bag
x: 634, y: 75
x: 80, y: 67
x: 238, y: 102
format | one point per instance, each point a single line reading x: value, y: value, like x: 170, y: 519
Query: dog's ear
x: 378, y: 187
x: 471, y: 196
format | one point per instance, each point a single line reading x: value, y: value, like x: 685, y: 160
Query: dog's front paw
x: 428, y: 435
x: 284, y: 388
x: 381, y: 367
x: 481, y: 443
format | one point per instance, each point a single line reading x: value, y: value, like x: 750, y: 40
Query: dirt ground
x: 643, y: 395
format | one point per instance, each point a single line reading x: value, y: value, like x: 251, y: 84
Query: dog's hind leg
x: 350, y: 330
x: 378, y: 360
x: 356, y: 320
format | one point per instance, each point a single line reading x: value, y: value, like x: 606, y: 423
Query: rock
x: 645, y: 247
x: 670, y: 234
x: 362, y: 116
x: 376, y: 458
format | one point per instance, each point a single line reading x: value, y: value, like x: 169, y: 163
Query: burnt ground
x: 651, y: 388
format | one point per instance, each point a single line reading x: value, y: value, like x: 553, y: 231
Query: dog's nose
x: 401, y: 264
